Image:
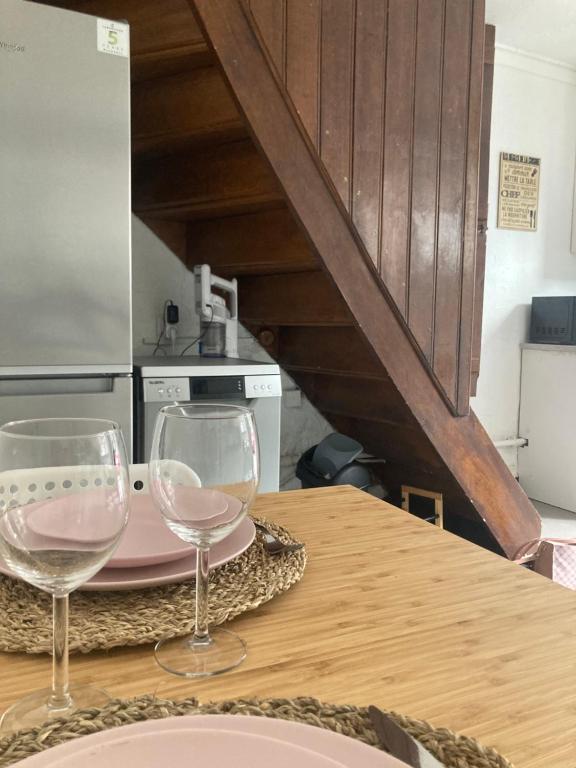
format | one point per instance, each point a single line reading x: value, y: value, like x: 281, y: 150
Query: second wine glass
x: 204, y: 472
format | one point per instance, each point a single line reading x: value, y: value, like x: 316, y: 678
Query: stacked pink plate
x: 148, y: 554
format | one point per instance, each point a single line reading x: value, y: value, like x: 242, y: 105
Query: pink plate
x: 117, y: 579
x: 86, y: 516
x: 218, y: 740
x: 147, y: 540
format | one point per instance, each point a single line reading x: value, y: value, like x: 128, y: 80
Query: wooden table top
x: 391, y: 611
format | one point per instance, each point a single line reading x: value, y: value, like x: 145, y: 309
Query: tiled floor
x: 556, y: 522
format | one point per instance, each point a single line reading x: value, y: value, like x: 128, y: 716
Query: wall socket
x: 292, y: 398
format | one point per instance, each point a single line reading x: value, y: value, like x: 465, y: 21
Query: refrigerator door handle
x: 73, y: 386
x: 96, y: 397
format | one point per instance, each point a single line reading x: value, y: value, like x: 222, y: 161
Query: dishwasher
x: 163, y: 381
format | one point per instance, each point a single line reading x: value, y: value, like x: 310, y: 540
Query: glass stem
x: 60, y: 698
x: 201, y: 635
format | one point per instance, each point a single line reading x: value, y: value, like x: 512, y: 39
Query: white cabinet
x: 547, y: 466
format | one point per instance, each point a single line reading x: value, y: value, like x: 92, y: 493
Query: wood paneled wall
x: 389, y: 93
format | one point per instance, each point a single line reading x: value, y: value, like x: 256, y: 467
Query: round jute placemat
x: 100, y: 620
x: 453, y: 750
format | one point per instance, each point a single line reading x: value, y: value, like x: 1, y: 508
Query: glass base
x: 34, y: 710
x: 186, y: 657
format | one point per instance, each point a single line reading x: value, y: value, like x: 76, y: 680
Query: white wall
x: 533, y: 113
x: 159, y: 275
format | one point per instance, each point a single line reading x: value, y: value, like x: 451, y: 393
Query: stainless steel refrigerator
x: 65, y: 261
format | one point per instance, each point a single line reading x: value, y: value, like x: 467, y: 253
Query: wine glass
x: 64, y: 491
x: 204, y: 472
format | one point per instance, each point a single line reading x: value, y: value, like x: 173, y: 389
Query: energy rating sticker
x: 113, y: 37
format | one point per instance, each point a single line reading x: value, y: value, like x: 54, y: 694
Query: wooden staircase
x: 238, y: 163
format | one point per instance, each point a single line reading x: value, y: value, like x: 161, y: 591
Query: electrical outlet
x: 292, y: 398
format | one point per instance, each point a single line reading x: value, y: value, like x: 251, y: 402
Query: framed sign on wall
x: 518, y: 192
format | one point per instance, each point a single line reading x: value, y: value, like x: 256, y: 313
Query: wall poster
x: 518, y: 192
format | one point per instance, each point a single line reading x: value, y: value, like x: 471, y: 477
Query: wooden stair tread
x: 396, y: 443
x: 357, y: 397
x: 170, y: 60
x: 172, y: 113
x: 260, y: 243
x: 208, y: 207
x: 335, y: 350
x: 327, y: 371
x: 219, y: 180
x: 292, y: 299
x: 167, y: 142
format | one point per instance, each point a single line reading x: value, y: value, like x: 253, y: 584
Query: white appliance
x: 162, y: 381
x: 65, y: 293
x: 546, y: 466
x: 218, y: 323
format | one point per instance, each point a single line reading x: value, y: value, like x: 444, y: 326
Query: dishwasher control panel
x: 263, y: 386
x: 166, y: 390
x: 216, y: 388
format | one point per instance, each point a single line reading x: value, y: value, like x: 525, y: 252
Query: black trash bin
x: 334, y: 461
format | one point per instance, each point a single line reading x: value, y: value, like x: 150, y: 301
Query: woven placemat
x: 100, y: 620
x: 453, y: 750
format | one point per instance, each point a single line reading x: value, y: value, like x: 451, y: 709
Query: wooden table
x: 391, y: 611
